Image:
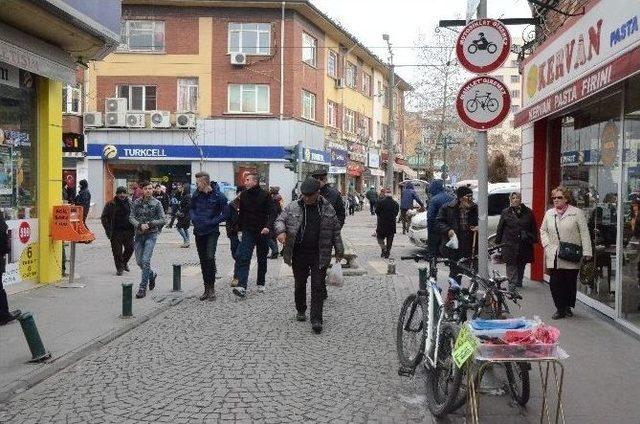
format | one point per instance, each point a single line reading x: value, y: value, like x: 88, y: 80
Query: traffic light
x: 291, y: 154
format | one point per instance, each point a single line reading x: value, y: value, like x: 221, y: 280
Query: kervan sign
x: 605, y: 32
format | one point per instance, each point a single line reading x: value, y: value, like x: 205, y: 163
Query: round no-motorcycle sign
x: 483, y: 103
x: 483, y: 45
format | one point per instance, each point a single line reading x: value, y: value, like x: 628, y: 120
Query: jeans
x: 406, y: 221
x: 206, y: 246
x: 234, y: 242
x: 184, y: 233
x: 121, y: 248
x: 273, y: 245
x: 303, y: 265
x: 174, y: 209
x: 243, y: 257
x: 144, y: 245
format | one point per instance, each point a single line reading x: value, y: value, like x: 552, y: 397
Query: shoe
x: 212, y: 295
x: 274, y: 256
x: 301, y: 316
x: 261, y: 288
x: 152, y: 281
x: 13, y: 315
x: 125, y: 267
x: 119, y: 272
x: 558, y: 315
x: 207, y: 292
x: 185, y: 245
x: 240, y: 291
x: 141, y: 293
x: 316, y: 326
x: 382, y: 254
x: 569, y: 312
x: 234, y: 282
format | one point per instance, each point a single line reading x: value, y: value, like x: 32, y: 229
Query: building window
x: 349, y: 121
x: 515, y: 78
x: 332, y: 113
x: 351, y: 75
x: 366, y: 84
x: 308, y: 105
x: 250, y: 38
x: 309, y: 47
x: 139, y: 97
x: 187, y: 95
x: 248, y: 98
x: 365, y: 127
x: 515, y: 94
x: 142, y: 36
x: 71, y: 99
x: 332, y: 64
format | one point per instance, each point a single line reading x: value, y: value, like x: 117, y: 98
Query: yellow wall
x: 49, y: 182
x: 130, y: 64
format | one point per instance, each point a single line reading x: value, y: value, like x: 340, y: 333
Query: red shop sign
x: 355, y: 169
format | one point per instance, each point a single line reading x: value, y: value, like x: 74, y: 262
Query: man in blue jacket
x: 406, y: 202
x: 438, y: 198
x: 208, y: 210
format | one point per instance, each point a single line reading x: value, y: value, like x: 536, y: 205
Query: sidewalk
x: 75, y: 321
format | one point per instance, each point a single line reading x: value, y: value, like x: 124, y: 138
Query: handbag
x: 568, y: 251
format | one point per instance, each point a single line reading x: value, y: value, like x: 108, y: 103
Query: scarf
x: 561, y: 211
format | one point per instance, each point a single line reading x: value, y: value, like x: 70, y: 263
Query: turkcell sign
x: 142, y: 153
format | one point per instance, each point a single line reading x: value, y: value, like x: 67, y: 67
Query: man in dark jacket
x: 331, y: 194
x: 372, y: 197
x: 254, y: 219
x: 459, y: 220
x: 407, y: 198
x: 83, y: 199
x: 6, y: 316
x: 387, y: 211
x: 120, y: 232
x: 438, y: 198
x: 309, y: 230
x: 208, y: 208
x: 518, y: 231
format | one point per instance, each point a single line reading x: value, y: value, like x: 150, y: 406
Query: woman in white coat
x: 570, y: 224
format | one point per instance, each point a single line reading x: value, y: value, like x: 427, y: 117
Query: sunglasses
x: 468, y: 196
x: 557, y: 197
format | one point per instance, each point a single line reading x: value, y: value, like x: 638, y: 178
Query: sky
x: 403, y: 20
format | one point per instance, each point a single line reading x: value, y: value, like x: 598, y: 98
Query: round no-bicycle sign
x: 483, y: 102
x: 483, y: 45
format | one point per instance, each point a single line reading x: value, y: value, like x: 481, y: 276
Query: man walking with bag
x: 119, y: 231
x: 147, y: 217
x: 387, y: 211
x: 309, y: 230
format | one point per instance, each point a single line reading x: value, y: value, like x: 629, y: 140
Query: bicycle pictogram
x: 482, y: 44
x: 485, y: 102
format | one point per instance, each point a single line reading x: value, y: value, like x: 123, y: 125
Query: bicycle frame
x: 434, y: 298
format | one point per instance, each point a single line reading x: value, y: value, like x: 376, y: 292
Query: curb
x: 70, y: 358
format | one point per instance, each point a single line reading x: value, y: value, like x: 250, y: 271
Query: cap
x: 309, y: 186
x: 319, y: 173
x: 121, y: 190
x: 463, y: 191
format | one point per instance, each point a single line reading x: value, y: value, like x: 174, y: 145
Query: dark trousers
x: 234, y: 242
x: 515, y: 272
x: 386, y: 247
x: 306, y: 264
x: 404, y: 219
x: 352, y: 208
x: 372, y: 208
x: 174, y: 209
x: 564, y: 286
x: 273, y: 245
x: 4, y: 305
x: 122, y: 248
x: 243, y: 257
x: 206, y: 246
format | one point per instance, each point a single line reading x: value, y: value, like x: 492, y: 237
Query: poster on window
x: 22, y: 261
x: 6, y: 171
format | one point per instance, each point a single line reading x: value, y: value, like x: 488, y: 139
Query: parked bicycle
x: 485, y: 102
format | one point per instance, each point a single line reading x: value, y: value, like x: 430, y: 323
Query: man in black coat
x: 6, y: 316
x: 120, y: 232
x: 459, y: 219
x: 518, y: 231
x: 387, y: 210
x: 331, y: 194
x: 83, y: 199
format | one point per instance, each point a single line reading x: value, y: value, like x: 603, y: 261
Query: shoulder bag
x: 567, y: 251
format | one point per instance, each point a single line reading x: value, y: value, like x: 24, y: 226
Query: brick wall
x: 166, y: 91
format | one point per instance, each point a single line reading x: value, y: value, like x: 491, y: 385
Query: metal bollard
x: 28, y: 324
x: 177, y: 277
x: 391, y: 267
x: 127, y: 303
x: 423, y: 277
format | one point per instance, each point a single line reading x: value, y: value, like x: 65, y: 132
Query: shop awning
x: 410, y: 173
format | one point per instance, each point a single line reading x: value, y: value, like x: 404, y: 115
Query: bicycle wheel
x: 518, y: 378
x: 443, y: 381
x: 472, y: 105
x: 412, y: 331
x: 492, y: 105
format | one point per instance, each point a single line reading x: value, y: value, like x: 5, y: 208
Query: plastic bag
x: 336, y: 277
x: 453, y: 242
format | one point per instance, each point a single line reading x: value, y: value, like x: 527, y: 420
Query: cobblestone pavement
x: 244, y: 361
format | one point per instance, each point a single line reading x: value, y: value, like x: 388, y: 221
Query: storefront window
x: 18, y: 147
x: 590, y: 169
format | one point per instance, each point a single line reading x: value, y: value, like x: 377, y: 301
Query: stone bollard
x: 127, y: 301
x: 177, y: 277
x: 391, y: 267
x: 28, y: 324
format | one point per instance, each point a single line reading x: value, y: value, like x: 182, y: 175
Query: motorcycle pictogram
x: 485, y: 102
x: 482, y: 44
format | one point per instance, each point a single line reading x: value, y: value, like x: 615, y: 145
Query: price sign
x: 24, y: 232
x: 464, y: 347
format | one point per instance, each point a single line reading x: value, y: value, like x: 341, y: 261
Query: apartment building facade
x: 224, y: 87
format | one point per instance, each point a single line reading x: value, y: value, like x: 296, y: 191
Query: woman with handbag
x: 565, y: 237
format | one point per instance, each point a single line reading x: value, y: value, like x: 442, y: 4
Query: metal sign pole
x: 483, y: 181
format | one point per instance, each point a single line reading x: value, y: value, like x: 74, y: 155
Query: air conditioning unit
x: 115, y: 119
x: 238, y: 59
x: 136, y: 119
x: 160, y: 119
x: 92, y: 119
x: 339, y: 83
x: 115, y: 104
x: 185, y: 120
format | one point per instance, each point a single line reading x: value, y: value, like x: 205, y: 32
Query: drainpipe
x: 282, y: 63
